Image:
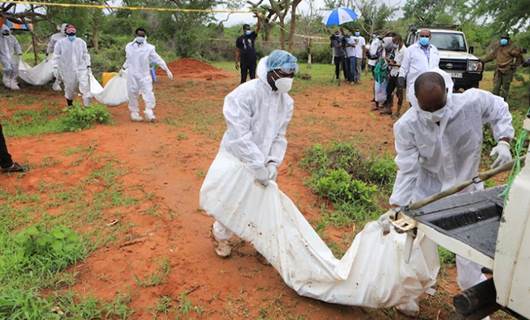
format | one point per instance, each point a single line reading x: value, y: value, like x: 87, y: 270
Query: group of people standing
x: 71, y: 63
x: 348, y: 53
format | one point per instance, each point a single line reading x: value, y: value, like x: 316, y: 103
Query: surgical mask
x: 139, y: 40
x: 435, y: 116
x: 71, y: 37
x: 357, y: 34
x: 248, y: 32
x: 284, y: 85
x: 504, y: 42
x: 424, y: 41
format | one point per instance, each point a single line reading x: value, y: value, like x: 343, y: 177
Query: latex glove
x: 384, y: 220
x: 273, y: 171
x: 501, y: 153
x: 169, y: 74
x: 401, y: 82
x: 262, y: 176
x: 121, y: 72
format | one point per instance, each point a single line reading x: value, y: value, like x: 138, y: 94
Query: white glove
x: 384, y: 220
x: 169, y: 74
x: 273, y: 171
x: 121, y: 72
x: 502, y: 154
x: 262, y: 176
x: 55, y: 73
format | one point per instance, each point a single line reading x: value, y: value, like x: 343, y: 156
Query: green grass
x: 157, y: 278
x: 47, y: 120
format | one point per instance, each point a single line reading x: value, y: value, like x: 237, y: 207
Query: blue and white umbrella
x: 339, y: 16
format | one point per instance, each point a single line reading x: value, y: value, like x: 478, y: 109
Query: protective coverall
x: 139, y: 57
x: 10, y: 52
x: 257, y: 118
x: 432, y: 157
x: 72, y: 60
x: 49, y: 52
x: 415, y: 62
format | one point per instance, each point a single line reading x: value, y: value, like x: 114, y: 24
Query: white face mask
x: 140, y: 39
x: 284, y: 85
x: 435, y: 116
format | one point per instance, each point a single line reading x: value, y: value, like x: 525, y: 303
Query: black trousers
x: 340, y: 63
x: 392, y: 85
x: 248, y: 67
x: 5, y: 157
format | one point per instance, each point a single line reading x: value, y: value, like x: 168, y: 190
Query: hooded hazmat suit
x: 432, y: 157
x: 10, y: 52
x: 257, y: 118
x: 49, y: 52
x: 72, y: 61
x: 139, y: 57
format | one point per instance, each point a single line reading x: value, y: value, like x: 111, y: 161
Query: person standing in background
x: 246, y: 57
x: 337, y: 46
x: 350, y: 43
x: 508, y: 58
x: 360, y: 54
x: 49, y: 52
x: 10, y: 52
x: 394, y: 62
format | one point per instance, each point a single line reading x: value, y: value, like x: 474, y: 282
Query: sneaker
x: 136, y: 117
x: 15, y: 167
x: 223, y: 249
x: 149, y: 115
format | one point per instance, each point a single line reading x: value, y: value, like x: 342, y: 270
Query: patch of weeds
x: 163, y: 305
x: 186, y: 307
x: 446, y: 256
x: 156, y: 278
x: 352, y: 182
x: 119, y: 308
x: 79, y: 118
x: 200, y: 173
x: 49, y: 162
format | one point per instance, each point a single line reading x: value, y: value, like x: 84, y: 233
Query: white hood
x: 262, y: 71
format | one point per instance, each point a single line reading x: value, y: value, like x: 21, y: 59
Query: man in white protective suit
x: 139, y: 57
x: 420, y: 57
x: 56, y: 37
x: 257, y: 114
x: 10, y: 52
x: 438, y: 144
x: 71, y: 62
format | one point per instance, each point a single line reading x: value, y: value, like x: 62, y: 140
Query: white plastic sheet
x: 372, y: 273
x: 114, y: 93
x: 38, y: 75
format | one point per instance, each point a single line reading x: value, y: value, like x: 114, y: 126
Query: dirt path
x: 170, y: 159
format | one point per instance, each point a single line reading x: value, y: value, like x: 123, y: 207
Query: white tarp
x: 373, y: 272
x: 113, y: 94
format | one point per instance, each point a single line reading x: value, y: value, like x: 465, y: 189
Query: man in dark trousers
x: 246, y: 57
x: 7, y: 164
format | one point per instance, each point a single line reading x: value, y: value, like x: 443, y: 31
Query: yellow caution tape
x: 132, y: 8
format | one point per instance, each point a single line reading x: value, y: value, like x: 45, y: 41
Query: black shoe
x: 15, y: 167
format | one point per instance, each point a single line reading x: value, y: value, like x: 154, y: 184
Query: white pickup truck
x: 456, y: 57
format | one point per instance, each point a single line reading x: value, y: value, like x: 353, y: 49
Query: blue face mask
x: 248, y: 32
x: 504, y: 42
x: 424, y: 41
x: 71, y: 38
x: 357, y: 34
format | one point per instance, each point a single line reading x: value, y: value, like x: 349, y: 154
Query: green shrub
x: 79, y: 118
x: 446, y: 256
x: 382, y: 171
x: 39, y: 251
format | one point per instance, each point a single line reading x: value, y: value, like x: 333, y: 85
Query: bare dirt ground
x: 168, y: 161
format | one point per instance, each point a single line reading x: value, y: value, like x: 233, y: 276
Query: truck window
x: 449, y: 41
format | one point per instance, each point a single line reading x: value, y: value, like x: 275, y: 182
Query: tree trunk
x: 292, y: 29
x: 282, y: 33
x: 34, y: 44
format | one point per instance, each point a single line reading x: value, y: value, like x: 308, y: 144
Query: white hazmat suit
x: 139, y: 57
x: 72, y: 61
x: 257, y: 118
x: 415, y: 62
x: 56, y: 37
x: 432, y: 157
x: 10, y: 52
